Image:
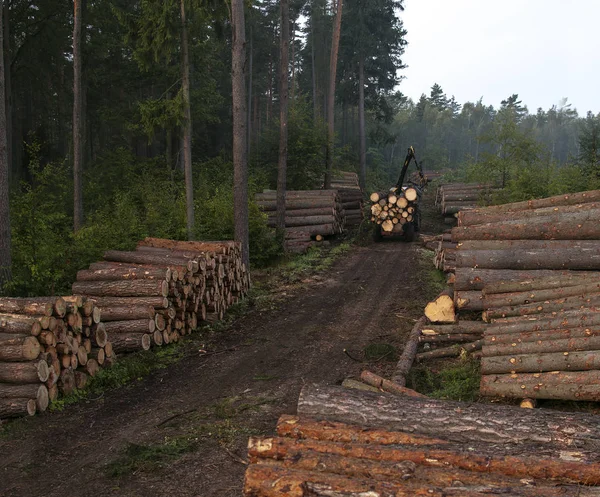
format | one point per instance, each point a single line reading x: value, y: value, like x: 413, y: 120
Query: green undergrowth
x: 454, y: 381
x: 434, y: 278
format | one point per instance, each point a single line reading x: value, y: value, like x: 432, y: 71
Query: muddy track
x: 214, y: 403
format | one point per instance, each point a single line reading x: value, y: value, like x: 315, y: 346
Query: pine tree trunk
x: 331, y: 95
x: 250, y: 75
x: 8, y: 82
x: 78, y: 118
x: 313, y: 71
x: 361, y: 124
x: 240, y: 164
x: 5, y: 257
x: 283, y: 113
x: 187, y: 126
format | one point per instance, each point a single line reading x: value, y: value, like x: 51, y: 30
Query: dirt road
x: 182, y: 430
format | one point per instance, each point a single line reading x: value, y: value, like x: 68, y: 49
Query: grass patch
x: 380, y: 352
x: 453, y: 382
x: 435, y: 279
x: 265, y: 377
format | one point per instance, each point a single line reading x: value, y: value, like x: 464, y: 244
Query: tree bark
x: 17, y: 407
x: 131, y: 326
x: 537, y: 363
x: 558, y: 200
x: 283, y: 113
x: 16, y: 323
x: 122, y: 288
x: 26, y: 351
x: 528, y: 297
x: 469, y: 301
x: 567, y: 320
x: 187, y: 125
x: 25, y: 306
x: 460, y: 327
x: 535, y: 336
x: 361, y: 121
x: 467, y: 279
x: 31, y: 391
x: 453, y: 351
x: 24, y: 372
x: 127, y: 313
x: 337, y: 29
x: 130, y: 342
x: 387, y: 385
x: 125, y: 273
x: 156, y: 302
x: 249, y: 105
x: 408, y: 355
x: 140, y: 257
x: 240, y: 159
x: 586, y: 305
x: 5, y: 235
x: 459, y: 422
x: 543, y: 346
x: 558, y: 280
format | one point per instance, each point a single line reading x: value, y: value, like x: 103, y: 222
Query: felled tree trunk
x: 539, y: 362
x: 134, y: 288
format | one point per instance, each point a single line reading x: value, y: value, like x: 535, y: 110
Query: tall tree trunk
x: 78, y: 118
x: 293, y: 42
x: 361, y: 122
x: 251, y: 57
x: 331, y: 95
x: 8, y: 84
x: 5, y: 260
x: 187, y: 126
x: 240, y: 160
x: 283, y: 112
x: 314, y: 71
x: 169, y: 145
x: 270, y: 90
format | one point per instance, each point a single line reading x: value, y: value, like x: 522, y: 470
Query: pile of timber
x: 310, y: 215
x: 445, y: 249
x: 163, y: 290
x: 48, y: 346
x: 351, y: 196
x: 392, y: 210
x: 351, y: 443
x: 454, y: 197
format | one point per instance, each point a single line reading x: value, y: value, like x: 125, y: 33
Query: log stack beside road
x: 454, y: 197
x: 351, y: 196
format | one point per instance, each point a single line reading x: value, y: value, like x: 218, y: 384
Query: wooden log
x: 408, y: 354
x: 122, y: 288
x: 24, y: 372
x: 81, y: 379
x: 461, y: 327
x: 306, y: 221
x: 125, y: 273
x: 156, y: 302
x: 132, y: 326
x: 92, y: 367
x: 441, y: 310
x: 462, y: 423
x: 28, y: 350
x: 10, y: 408
x: 468, y: 301
x: 528, y: 297
x: 535, y: 336
x: 467, y: 279
x: 30, y: 391
x: 97, y: 354
x: 127, y: 313
x: 543, y: 346
x: 25, y: 306
x: 297, y: 204
x: 452, y: 351
x: 548, y: 258
x: 557, y: 280
x: 66, y: 383
x: 585, y: 304
x: 450, y: 209
x: 539, y: 362
x: 572, y: 226
x: 453, y: 338
x: 387, y: 385
x: 58, y: 303
x: 20, y: 324
x: 567, y: 320
x: 131, y: 342
x: 271, y: 194
x: 98, y: 335
x: 319, y: 211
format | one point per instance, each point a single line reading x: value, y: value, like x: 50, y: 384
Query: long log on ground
x: 464, y: 196
x: 220, y: 247
x: 559, y: 385
x: 468, y: 301
x: 156, y: 302
x: 585, y: 258
x: 568, y: 320
x: 492, y: 338
x: 27, y: 351
x: 19, y: 324
x: 387, y: 385
x: 58, y: 303
x: 543, y: 346
x: 31, y: 391
x: 127, y: 313
x: 453, y: 338
x: 538, y: 363
x: 24, y: 372
x: 462, y: 327
x: 441, y: 309
x: 17, y: 407
x: 294, y: 222
x: 118, y: 288
x: 531, y: 296
x: 408, y: 354
x: 452, y: 351
x: 558, y: 200
x: 132, y: 342
x: 140, y: 257
x: 125, y: 273
x: 130, y: 326
x: 25, y: 306
x: 450, y: 209
x: 320, y: 229
x: 483, y: 216
x: 586, y: 304
x: 468, y: 245
x: 320, y: 211
x: 467, y: 279
x: 572, y: 226
x: 459, y: 422
x: 297, y: 204
x: 558, y: 280
x: 122, y: 268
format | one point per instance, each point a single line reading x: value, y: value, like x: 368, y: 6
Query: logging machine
x: 397, y: 213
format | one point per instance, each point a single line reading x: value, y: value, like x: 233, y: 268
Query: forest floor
x: 183, y: 429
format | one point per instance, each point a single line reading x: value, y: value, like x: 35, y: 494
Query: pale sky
x: 541, y: 49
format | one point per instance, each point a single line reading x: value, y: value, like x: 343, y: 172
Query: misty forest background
x: 133, y: 118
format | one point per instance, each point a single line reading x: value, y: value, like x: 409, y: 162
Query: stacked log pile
x: 454, y: 197
x: 351, y: 196
x: 445, y: 258
x: 392, y: 210
x: 351, y: 443
x: 311, y: 215
x: 48, y: 346
x: 163, y: 290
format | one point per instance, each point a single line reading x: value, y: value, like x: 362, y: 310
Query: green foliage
x: 380, y: 352
x: 458, y: 381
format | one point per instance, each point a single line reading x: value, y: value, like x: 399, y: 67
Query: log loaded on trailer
x: 396, y: 213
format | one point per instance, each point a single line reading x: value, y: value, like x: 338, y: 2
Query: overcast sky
x: 541, y: 49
